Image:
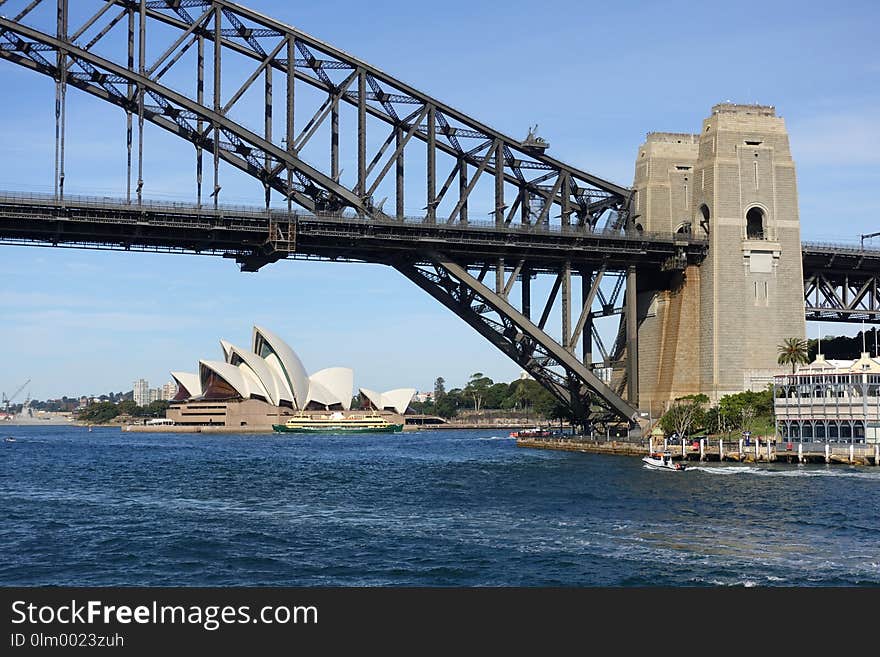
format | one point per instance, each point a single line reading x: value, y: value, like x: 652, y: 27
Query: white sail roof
x: 267, y: 377
x: 191, y: 383
x: 397, y: 399
x: 318, y: 393
x: 229, y: 373
x: 227, y: 350
x: 338, y: 381
x: 279, y: 356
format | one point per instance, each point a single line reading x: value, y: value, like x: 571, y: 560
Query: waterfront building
x: 257, y: 387
x: 835, y: 401
x: 141, y: 392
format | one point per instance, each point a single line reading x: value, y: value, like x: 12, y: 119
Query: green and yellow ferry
x: 338, y: 423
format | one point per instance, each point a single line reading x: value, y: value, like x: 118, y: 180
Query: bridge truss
x: 173, y: 63
x: 841, y: 284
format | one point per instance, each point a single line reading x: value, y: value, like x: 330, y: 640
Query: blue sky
x: 595, y: 77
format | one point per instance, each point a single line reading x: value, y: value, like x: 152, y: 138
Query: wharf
x: 190, y: 428
x: 714, y: 449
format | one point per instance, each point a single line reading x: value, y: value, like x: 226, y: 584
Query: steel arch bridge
x: 168, y: 63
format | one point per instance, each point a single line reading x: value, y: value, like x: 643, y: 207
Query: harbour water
x: 439, y: 508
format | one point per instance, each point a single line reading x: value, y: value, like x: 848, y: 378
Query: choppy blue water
x: 448, y: 508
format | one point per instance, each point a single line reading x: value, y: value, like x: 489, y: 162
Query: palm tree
x: 794, y: 351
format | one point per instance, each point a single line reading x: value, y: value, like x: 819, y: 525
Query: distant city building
x: 423, y: 397
x: 155, y: 394
x: 604, y: 374
x: 829, y: 401
x: 141, y: 392
x: 169, y: 391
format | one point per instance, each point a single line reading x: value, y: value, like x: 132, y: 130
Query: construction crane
x: 8, y: 400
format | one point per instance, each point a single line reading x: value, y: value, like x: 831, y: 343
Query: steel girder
x: 528, y: 187
x: 842, y: 296
x: 526, y: 181
x: 492, y: 314
x: 841, y: 282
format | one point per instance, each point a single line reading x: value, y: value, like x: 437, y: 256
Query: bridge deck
x: 248, y: 233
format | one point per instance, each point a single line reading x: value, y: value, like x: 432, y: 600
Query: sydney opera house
x: 260, y: 386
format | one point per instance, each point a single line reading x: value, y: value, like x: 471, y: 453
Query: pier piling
x: 827, y: 453
x: 702, y: 449
x: 721, y: 449
x: 800, y: 452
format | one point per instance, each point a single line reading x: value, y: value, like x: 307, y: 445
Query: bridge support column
x: 399, y: 169
x: 632, y: 338
x: 587, y: 331
x: 128, y: 123
x: 431, y: 206
x: 566, y: 306
x: 61, y: 102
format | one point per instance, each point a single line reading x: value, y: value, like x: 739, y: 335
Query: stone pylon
x: 715, y: 328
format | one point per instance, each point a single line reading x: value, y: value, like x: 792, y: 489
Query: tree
x: 685, y: 413
x: 128, y: 407
x: 477, y: 388
x: 496, y: 395
x: 450, y: 403
x: 548, y: 406
x: 425, y: 407
x: 98, y: 413
x: 794, y: 352
x: 439, y: 388
x: 526, y: 394
x: 740, y: 409
x: 157, y: 408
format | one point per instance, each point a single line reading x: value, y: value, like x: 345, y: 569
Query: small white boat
x: 663, y: 461
x: 9, y: 439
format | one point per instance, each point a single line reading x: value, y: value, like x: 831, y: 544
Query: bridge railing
x: 838, y: 247
x: 261, y: 215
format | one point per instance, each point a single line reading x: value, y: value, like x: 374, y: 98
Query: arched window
x: 755, y: 229
x: 704, y: 218
x: 684, y: 228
